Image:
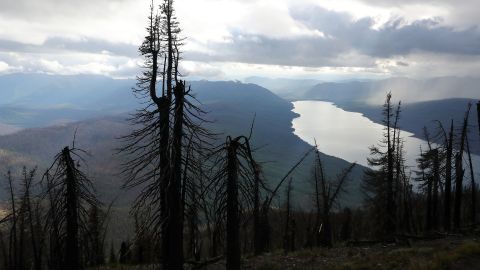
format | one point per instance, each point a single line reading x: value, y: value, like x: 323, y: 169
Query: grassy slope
x: 425, y: 255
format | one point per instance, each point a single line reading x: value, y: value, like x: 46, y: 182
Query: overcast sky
x: 233, y: 39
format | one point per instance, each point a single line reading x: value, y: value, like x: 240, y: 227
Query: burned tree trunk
x: 318, y: 175
x: 257, y: 233
x: 429, y: 202
x: 459, y: 172
x: 390, y: 222
x: 330, y: 191
x: 233, y: 220
x: 436, y: 184
x: 12, y: 249
x: 174, y: 199
x: 164, y: 111
x: 324, y: 232
x: 287, y: 235
x: 472, y: 184
x: 448, y: 179
x: 53, y: 222
x: 34, y: 238
x: 266, y: 230
x: 70, y: 192
x: 193, y: 247
x: 72, y: 258
x: 478, y: 116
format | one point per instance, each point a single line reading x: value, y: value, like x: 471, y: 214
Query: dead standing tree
x: 233, y: 221
x: 448, y: 149
x: 473, y: 209
x: 74, y: 195
x: 326, y: 195
x: 235, y: 179
x: 263, y: 241
x: 23, y: 248
x: 13, y: 261
x: 478, y: 116
x: 155, y: 148
x: 459, y: 171
x: 429, y: 176
x: 31, y: 212
x: 289, y: 232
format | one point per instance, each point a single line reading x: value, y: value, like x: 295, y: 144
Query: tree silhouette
x: 289, y: 231
x: 166, y: 124
x: 472, y: 184
x: 73, y: 195
x: 478, y: 116
x: 326, y: 195
x: 459, y: 171
x: 380, y: 184
x: 430, y: 166
x: 448, y: 149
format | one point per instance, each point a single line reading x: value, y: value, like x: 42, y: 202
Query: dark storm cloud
x: 59, y: 44
x: 250, y: 48
x: 393, y: 38
x: 344, y: 43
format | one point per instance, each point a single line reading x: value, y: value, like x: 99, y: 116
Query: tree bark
x: 478, y: 116
x: 390, y: 222
x: 72, y: 260
x: 448, y: 179
x: 459, y: 171
x: 12, y: 249
x: 174, y: 199
x: 473, y: 186
x: 257, y: 234
x: 233, y: 221
x: 287, y: 237
x: 436, y: 183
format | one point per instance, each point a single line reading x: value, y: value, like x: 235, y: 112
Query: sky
x: 235, y: 39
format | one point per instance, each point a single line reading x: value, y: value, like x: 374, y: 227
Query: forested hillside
x: 232, y: 108
x: 167, y: 170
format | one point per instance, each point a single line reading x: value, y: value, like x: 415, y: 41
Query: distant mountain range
x: 416, y: 113
x: 423, y: 101
x: 97, y: 106
x: 404, y: 89
x: 50, y: 109
x: 231, y: 106
x: 40, y: 91
x: 289, y: 89
x: 36, y: 100
x: 373, y: 92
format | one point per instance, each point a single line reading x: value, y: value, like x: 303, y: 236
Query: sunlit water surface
x: 348, y: 135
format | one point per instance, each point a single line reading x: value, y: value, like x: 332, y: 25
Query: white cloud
x: 234, y: 38
x: 3, y: 66
x: 201, y: 70
x: 51, y: 66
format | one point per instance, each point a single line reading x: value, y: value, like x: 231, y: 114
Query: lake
x: 348, y: 135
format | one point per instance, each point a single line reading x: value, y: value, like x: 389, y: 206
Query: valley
x: 38, y: 129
